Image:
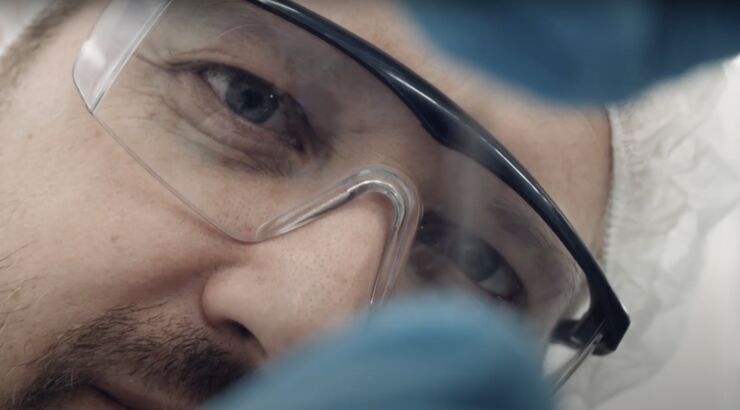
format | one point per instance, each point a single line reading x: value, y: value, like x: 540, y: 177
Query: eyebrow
x: 22, y: 52
x: 248, y: 23
x: 240, y: 15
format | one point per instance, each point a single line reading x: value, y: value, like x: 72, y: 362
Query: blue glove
x: 587, y: 51
x: 433, y: 352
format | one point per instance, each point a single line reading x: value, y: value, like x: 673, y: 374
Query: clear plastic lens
x: 261, y: 128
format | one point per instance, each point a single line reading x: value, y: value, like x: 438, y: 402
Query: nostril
x: 241, y: 330
x: 245, y: 341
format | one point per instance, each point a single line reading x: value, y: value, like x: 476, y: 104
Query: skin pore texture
x: 102, y: 269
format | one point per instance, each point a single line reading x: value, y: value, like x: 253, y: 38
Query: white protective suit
x: 671, y: 186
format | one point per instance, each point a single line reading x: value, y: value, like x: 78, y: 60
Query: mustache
x: 168, y: 355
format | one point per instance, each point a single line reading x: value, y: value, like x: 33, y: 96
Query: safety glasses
x: 263, y: 117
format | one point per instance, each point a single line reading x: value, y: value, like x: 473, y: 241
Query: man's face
x: 110, y: 285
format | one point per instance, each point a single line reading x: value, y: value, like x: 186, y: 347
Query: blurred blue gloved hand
x: 432, y: 352
x: 582, y: 51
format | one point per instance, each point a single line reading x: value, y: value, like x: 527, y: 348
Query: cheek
x: 83, y: 228
x: 98, y: 220
x: 88, y: 230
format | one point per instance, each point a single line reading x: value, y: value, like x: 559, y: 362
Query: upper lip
x: 131, y: 398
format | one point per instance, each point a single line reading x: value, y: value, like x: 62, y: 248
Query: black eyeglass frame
x: 447, y: 123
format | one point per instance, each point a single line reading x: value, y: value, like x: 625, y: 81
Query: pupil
x: 252, y: 100
x: 474, y: 259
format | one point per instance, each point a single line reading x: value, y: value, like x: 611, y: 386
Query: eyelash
x: 452, y: 237
x: 203, y: 70
x: 260, y: 149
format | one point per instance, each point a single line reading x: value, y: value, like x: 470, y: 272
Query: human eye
x: 248, y: 96
x: 446, y: 255
x: 227, y: 114
x: 258, y: 103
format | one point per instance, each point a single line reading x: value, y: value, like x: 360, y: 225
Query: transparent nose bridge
x: 400, y: 193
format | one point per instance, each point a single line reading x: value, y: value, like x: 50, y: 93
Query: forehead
x: 566, y: 149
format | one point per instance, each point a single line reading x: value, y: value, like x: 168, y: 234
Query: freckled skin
x: 83, y: 228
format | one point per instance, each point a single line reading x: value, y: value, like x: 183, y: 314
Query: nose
x: 295, y: 286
